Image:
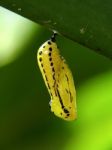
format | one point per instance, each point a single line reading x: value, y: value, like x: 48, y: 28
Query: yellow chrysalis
x: 58, y: 79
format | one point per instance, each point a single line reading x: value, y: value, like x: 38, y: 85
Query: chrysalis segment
x: 58, y: 79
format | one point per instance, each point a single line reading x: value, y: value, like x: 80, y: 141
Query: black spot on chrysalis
x: 40, y: 53
x: 49, y: 42
x: 50, y: 48
x: 40, y: 59
x: 49, y: 54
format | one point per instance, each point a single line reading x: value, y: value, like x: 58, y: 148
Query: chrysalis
x: 58, y: 80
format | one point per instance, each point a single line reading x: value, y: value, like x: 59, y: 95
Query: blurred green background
x: 26, y: 122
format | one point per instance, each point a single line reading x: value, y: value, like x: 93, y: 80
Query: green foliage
x: 26, y: 122
x: 86, y: 22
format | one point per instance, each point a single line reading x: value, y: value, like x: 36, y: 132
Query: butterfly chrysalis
x: 58, y: 80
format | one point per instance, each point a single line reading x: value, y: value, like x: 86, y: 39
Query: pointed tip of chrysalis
x: 53, y: 37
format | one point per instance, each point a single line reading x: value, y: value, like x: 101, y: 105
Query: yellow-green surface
x: 26, y: 122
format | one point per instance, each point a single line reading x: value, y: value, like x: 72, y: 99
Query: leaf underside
x: 86, y: 22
